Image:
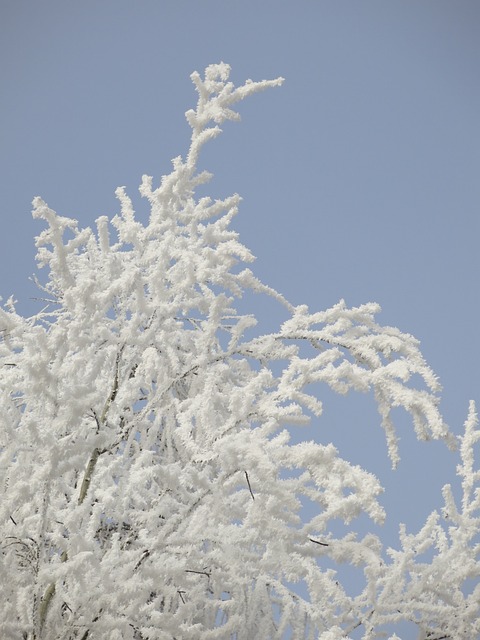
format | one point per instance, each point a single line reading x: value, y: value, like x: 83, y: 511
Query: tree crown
x: 149, y: 485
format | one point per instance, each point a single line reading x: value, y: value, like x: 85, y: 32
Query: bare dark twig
x: 249, y: 486
x: 145, y: 555
x: 201, y: 573
x: 322, y: 544
x: 181, y: 594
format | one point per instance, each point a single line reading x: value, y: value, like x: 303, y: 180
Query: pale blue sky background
x: 360, y: 176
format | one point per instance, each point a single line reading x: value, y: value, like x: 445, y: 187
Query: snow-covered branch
x: 149, y: 488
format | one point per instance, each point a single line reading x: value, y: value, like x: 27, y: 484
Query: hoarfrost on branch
x: 149, y: 486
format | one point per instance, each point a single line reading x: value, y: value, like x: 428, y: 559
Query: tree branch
x: 249, y: 486
x: 87, y: 478
x: 322, y: 544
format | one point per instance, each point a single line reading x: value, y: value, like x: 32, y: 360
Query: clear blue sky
x: 360, y: 176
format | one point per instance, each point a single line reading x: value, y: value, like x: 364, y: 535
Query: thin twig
x: 200, y: 573
x: 322, y: 544
x: 145, y: 555
x: 358, y: 624
x: 249, y: 486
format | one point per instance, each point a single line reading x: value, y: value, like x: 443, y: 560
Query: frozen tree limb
x: 147, y: 405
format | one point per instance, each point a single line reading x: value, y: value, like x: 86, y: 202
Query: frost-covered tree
x: 149, y: 487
